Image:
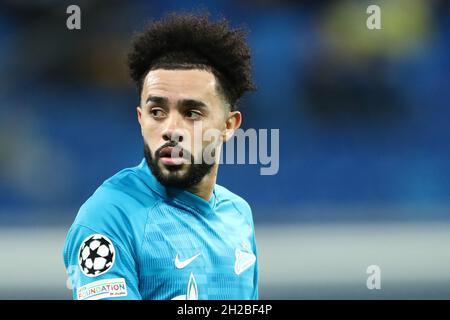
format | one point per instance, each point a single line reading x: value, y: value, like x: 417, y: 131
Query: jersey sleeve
x: 99, y: 266
x: 246, y: 210
x: 256, y: 269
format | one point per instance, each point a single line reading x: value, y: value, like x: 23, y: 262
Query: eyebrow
x: 185, y: 103
x: 156, y: 99
x: 191, y: 103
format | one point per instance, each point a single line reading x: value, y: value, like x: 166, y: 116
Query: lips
x: 172, y: 156
x: 170, y: 152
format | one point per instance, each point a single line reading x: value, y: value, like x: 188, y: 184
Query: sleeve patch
x: 96, y: 255
x: 108, y: 288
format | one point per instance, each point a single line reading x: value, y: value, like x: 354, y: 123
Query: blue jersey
x: 136, y: 239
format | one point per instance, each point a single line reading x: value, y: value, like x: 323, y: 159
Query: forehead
x: 180, y: 84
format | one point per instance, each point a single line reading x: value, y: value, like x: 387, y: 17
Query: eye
x: 193, y: 115
x: 157, y: 113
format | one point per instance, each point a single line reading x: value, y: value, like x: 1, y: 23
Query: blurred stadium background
x: 363, y: 115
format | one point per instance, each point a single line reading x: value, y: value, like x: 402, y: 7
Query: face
x: 182, y: 115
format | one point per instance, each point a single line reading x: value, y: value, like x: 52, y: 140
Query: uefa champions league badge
x: 96, y: 255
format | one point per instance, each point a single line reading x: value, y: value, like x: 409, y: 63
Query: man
x: 165, y: 229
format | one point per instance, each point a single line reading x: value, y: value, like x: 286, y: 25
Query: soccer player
x: 164, y: 229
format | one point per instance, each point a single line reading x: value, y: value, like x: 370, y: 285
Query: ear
x: 233, y: 122
x: 139, y: 116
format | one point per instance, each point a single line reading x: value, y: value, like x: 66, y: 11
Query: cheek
x: 151, y: 134
x: 149, y: 131
x: 212, y: 134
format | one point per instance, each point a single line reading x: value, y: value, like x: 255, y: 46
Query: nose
x: 173, y: 132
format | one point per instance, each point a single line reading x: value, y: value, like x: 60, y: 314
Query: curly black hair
x: 190, y: 41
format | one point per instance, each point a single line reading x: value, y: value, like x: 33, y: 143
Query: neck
x: 204, y: 189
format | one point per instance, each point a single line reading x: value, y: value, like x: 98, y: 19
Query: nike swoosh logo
x: 181, y: 264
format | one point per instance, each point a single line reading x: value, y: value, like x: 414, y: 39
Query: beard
x: 174, y: 176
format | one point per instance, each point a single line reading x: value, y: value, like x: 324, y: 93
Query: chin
x: 174, y: 171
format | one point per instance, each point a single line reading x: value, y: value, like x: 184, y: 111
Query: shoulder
x: 121, y: 194
x: 117, y: 209
x: 240, y: 204
x: 223, y: 194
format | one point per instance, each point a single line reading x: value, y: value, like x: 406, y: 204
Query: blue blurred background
x: 364, y: 138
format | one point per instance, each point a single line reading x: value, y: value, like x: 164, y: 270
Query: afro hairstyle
x: 190, y: 41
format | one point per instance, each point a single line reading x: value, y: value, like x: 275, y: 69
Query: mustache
x: 186, y: 154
